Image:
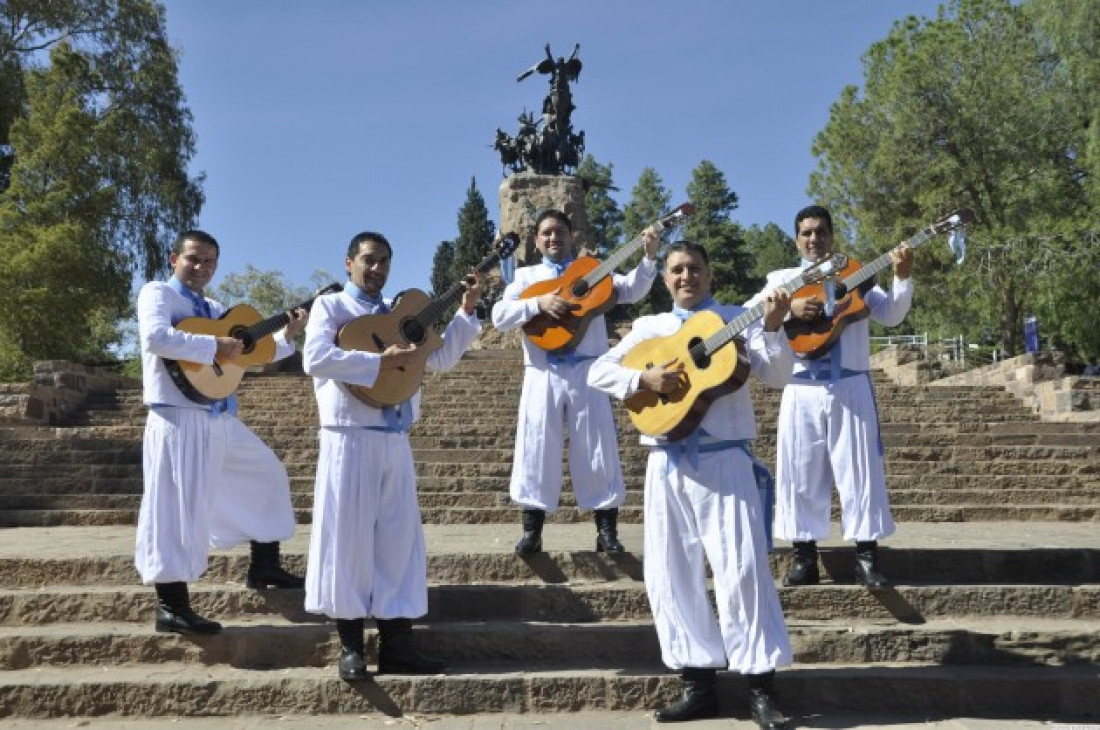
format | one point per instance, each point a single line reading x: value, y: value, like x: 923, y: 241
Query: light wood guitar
x: 710, y: 369
x: 587, y: 284
x: 410, y: 322
x: 812, y: 339
x: 207, y: 383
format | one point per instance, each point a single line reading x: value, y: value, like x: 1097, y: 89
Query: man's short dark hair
x: 688, y: 247
x: 813, y: 211
x: 364, y: 237
x: 555, y: 214
x: 198, y: 237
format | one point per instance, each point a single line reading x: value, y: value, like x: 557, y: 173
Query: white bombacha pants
x: 550, y: 399
x: 689, y: 523
x: 829, y: 433
x: 366, y: 554
x: 209, y: 483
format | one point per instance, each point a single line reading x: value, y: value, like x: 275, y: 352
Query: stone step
x: 584, y: 601
x: 302, y: 497
x: 20, y: 481
x: 919, y: 554
x: 275, y: 643
x: 175, y: 689
x: 463, y: 515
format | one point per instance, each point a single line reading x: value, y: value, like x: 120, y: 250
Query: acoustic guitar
x: 410, y: 322
x: 207, y: 383
x: 710, y: 369
x: 587, y: 284
x: 812, y: 339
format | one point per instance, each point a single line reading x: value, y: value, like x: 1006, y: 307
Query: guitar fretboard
x: 737, y: 325
x: 612, y: 263
x: 868, y: 271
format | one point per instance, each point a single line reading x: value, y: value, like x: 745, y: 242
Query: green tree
x: 604, y: 217
x: 474, y: 241
x: 442, y: 265
x: 268, y: 292
x: 730, y: 261
x: 94, y: 146
x: 964, y: 109
x: 649, y: 200
x: 770, y: 249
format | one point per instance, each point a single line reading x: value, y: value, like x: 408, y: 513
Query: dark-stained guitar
x: 587, y: 284
x: 207, y: 383
x: 812, y: 339
x: 710, y: 369
x: 410, y: 322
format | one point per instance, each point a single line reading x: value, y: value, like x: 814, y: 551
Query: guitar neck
x: 434, y: 312
x: 621, y: 254
x: 868, y: 271
x: 271, y: 325
x: 741, y: 322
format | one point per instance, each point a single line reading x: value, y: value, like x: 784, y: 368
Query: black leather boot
x: 699, y: 701
x: 607, y: 532
x: 765, y: 713
x: 531, y: 542
x: 803, y: 570
x: 174, y: 614
x: 867, y: 566
x: 397, y: 653
x: 265, y: 572
x: 352, y: 666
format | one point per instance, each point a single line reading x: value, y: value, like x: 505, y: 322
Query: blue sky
x: 317, y: 120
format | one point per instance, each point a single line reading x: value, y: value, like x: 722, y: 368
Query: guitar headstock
x: 507, y: 246
x: 677, y: 217
x: 953, y: 220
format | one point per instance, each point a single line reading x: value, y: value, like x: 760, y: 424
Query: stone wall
x: 59, y: 388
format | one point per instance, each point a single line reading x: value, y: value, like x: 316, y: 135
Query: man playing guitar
x: 828, y: 423
x: 366, y: 553
x: 556, y: 398
x: 704, y: 505
x: 208, y: 480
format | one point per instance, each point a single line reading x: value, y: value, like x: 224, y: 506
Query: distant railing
x: 952, y: 349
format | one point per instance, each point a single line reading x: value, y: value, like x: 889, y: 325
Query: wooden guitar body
x: 811, y: 340
x: 564, y: 334
x: 206, y: 383
x: 675, y: 415
x: 375, y: 332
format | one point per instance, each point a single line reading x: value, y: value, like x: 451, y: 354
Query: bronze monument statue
x: 546, y: 146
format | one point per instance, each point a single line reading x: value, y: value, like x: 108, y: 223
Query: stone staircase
x: 997, y: 561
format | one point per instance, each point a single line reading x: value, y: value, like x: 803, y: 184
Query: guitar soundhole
x: 580, y: 288
x: 242, y: 334
x: 413, y: 331
x: 698, y: 354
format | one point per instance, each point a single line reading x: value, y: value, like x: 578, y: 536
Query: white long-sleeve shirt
x: 729, y: 417
x: 160, y: 307
x: 512, y: 312
x: 886, y: 307
x: 332, y: 367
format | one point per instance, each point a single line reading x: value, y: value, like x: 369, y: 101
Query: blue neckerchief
x: 201, y: 308
x: 375, y: 304
x: 199, y: 305
x: 685, y: 314
x: 559, y: 267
